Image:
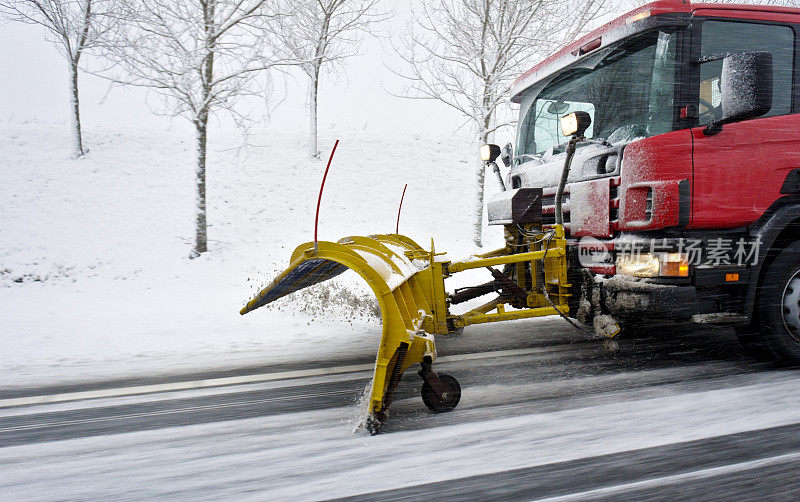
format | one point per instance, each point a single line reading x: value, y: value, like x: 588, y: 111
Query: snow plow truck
x: 655, y: 174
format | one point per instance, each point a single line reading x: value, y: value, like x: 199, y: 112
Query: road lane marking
x: 244, y: 379
x: 185, y: 385
x: 675, y: 478
x: 187, y: 409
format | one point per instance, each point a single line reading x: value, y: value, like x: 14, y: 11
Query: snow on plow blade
x: 401, y: 274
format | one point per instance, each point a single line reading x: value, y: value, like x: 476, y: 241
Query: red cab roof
x: 652, y: 9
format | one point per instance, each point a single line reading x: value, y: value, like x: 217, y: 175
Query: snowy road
x: 676, y: 416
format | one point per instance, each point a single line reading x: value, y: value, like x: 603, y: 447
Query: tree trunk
x: 313, y: 150
x: 75, y: 112
x: 480, y: 177
x: 201, y: 229
x: 201, y: 126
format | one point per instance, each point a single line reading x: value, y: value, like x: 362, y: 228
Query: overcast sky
x: 34, y: 88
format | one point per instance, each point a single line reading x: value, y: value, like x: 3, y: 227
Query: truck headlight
x: 653, y: 265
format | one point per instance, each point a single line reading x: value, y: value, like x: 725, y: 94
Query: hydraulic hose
x: 573, y: 142
x: 496, y: 170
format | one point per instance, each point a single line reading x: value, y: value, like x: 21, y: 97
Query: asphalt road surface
x: 678, y: 413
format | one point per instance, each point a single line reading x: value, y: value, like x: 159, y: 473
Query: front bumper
x: 629, y: 297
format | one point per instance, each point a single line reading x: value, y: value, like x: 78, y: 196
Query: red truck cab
x: 686, y: 203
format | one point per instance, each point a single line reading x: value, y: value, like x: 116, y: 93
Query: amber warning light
x: 638, y: 17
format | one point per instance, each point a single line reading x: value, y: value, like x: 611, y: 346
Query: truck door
x: 738, y: 173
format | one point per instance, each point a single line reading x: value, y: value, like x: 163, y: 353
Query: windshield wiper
x: 596, y: 141
x: 537, y: 156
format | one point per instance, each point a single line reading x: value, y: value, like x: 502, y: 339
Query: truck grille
x: 549, y: 208
x: 614, y: 207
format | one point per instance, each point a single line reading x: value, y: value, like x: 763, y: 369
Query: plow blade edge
x: 407, y: 282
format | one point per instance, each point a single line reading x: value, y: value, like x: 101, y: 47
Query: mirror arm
x: 496, y: 170
x: 713, y: 128
x: 712, y: 57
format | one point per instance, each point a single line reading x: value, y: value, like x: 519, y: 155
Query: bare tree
x: 74, y: 26
x: 323, y: 33
x: 467, y: 53
x: 786, y: 3
x: 200, y: 56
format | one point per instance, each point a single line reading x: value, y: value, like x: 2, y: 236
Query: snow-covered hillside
x: 94, y: 270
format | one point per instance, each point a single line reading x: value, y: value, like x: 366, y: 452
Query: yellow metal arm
x: 408, y: 282
x: 502, y: 260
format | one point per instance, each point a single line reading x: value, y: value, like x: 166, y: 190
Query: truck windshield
x: 627, y: 89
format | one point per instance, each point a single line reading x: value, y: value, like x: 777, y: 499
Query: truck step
x: 719, y: 318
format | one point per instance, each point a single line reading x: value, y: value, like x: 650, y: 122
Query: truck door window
x: 729, y: 36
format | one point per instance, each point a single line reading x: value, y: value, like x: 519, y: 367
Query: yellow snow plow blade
x: 408, y: 282
x: 399, y: 272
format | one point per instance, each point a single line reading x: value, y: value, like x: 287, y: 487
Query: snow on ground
x: 95, y: 280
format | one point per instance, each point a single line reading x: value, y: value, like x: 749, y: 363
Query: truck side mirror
x: 507, y: 154
x: 746, y: 87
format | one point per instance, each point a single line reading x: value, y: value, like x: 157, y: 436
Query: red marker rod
x: 319, y: 199
x: 397, y: 228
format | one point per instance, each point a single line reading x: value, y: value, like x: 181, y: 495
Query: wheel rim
x: 790, y: 302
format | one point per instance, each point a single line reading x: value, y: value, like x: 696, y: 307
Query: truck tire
x: 779, y: 305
